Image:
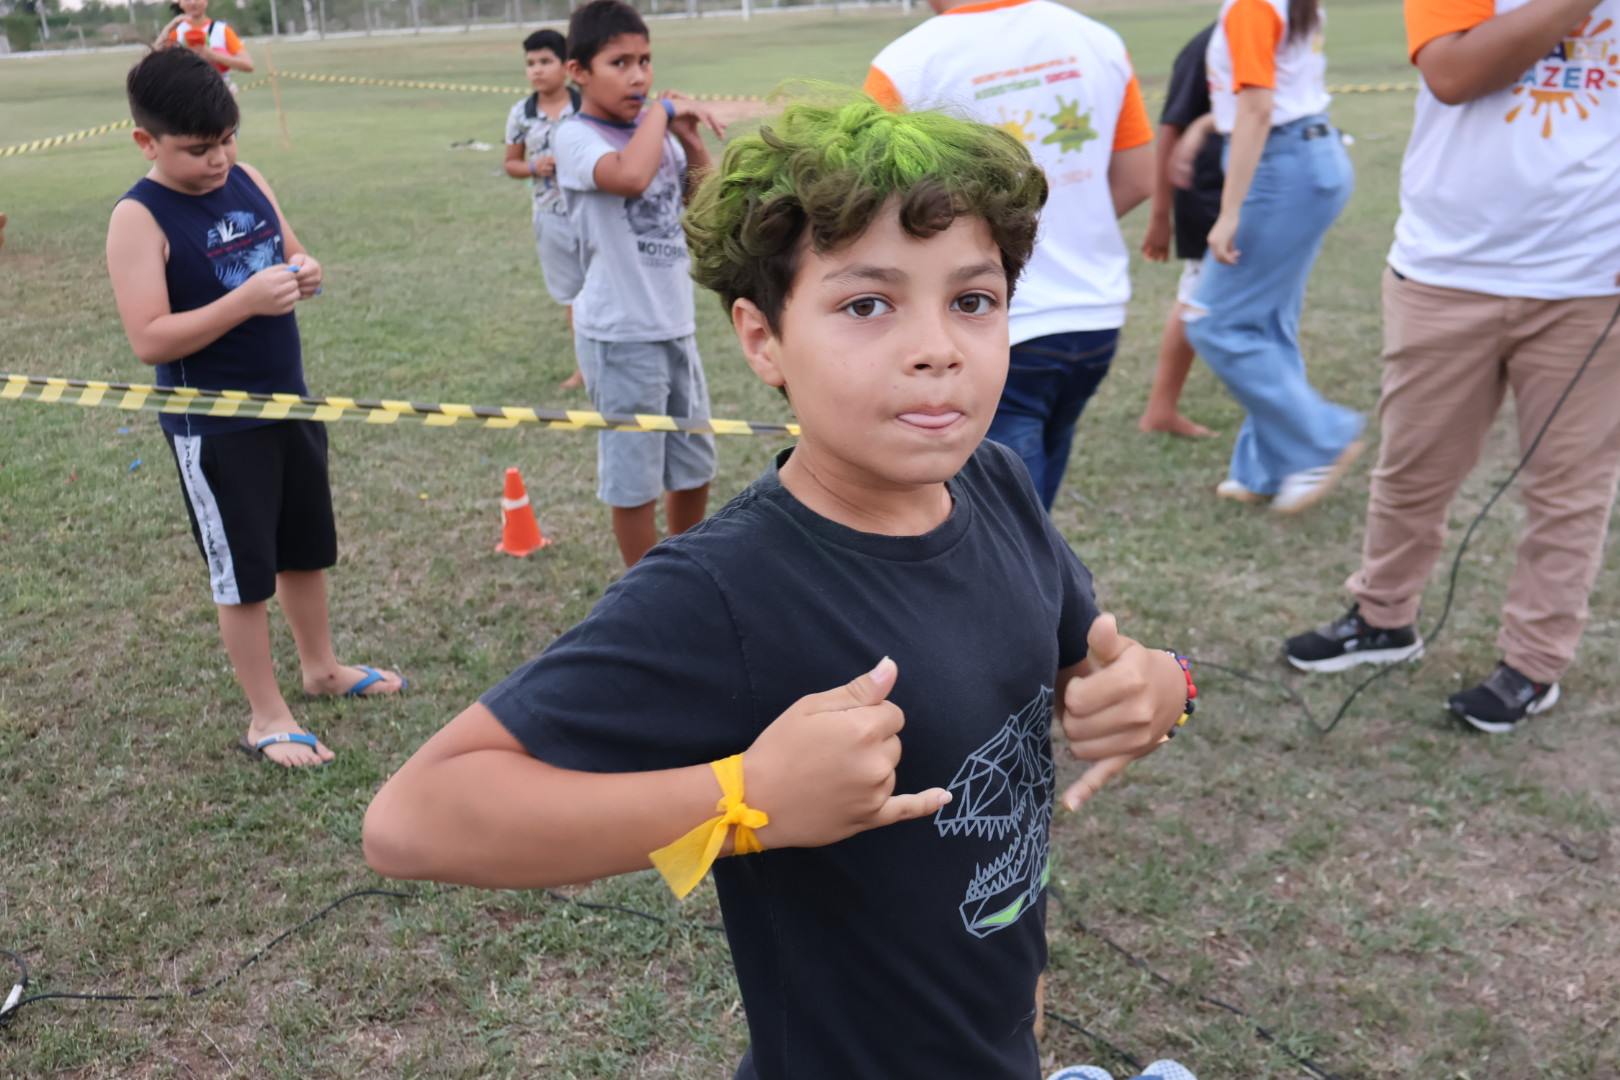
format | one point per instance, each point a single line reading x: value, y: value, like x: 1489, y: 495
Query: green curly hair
x: 819, y: 174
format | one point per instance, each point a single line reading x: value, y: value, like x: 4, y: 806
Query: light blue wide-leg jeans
x: 1250, y: 334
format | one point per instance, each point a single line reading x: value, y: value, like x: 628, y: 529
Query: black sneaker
x: 1501, y: 701
x: 1348, y: 641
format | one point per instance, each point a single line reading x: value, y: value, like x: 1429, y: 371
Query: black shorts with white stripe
x: 259, y: 503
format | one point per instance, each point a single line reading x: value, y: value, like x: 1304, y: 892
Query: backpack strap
x: 531, y: 104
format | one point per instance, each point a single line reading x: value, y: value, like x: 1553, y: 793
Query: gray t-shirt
x: 536, y: 135
x: 638, y: 284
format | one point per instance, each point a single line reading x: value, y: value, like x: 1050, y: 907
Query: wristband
x: 684, y: 862
x: 531, y: 169
x: 669, y: 107
x: 1191, y: 705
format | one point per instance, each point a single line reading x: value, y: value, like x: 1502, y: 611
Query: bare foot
x: 1176, y: 424
x: 341, y: 681
x: 573, y: 382
x: 289, y: 755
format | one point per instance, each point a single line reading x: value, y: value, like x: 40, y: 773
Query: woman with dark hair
x: 1287, y: 179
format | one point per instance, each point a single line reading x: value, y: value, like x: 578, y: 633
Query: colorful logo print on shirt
x: 1572, y: 77
x: 240, y: 244
x: 1071, y: 129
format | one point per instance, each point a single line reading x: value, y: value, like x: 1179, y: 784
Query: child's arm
x: 1118, y: 705
x: 629, y: 172
x: 310, y: 273
x: 1156, y: 244
x: 164, y: 41
x: 1248, y: 142
x: 1130, y: 178
x: 689, y: 117
x: 472, y: 806
x: 1187, y: 149
x: 1496, y: 53
x: 520, y: 167
x: 234, y: 57
x: 137, y: 252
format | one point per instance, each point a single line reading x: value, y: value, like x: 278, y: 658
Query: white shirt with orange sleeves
x: 1517, y: 193
x: 1062, y: 83
x: 1252, y: 46
x: 216, y: 35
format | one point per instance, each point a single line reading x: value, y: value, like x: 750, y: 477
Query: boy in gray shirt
x: 623, y: 167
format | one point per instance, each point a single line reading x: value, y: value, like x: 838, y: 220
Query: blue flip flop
x: 372, y: 677
x: 256, y: 749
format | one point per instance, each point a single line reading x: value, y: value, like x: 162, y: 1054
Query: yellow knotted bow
x: 684, y: 862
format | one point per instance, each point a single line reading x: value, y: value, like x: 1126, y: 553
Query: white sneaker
x: 1231, y: 489
x: 1303, y: 490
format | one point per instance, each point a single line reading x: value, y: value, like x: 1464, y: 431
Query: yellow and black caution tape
x: 465, y: 88
x: 58, y: 140
x: 75, y: 136
x: 248, y: 406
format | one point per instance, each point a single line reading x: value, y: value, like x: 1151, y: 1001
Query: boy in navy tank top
x: 206, y: 272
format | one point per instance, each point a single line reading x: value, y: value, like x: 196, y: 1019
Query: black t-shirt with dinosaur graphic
x: 909, y: 951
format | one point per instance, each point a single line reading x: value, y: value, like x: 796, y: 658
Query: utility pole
x: 275, y: 24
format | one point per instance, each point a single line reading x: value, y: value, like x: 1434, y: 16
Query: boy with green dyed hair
x: 891, y: 569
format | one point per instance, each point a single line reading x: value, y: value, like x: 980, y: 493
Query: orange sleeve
x: 883, y: 91
x: 233, y: 44
x: 1134, y: 128
x: 1430, y: 19
x: 1253, y: 32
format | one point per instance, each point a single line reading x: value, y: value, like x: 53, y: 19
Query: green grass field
x: 1396, y: 899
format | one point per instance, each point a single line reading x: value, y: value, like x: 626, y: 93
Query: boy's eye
x: 974, y: 304
x: 867, y: 306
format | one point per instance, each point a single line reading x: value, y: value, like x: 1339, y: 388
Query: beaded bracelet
x: 1191, y: 705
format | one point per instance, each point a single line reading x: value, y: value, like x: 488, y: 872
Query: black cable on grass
x: 1098, y: 1039
x: 1180, y: 991
x: 1384, y: 671
x: 12, y: 1009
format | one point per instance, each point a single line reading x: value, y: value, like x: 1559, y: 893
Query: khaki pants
x: 1450, y: 356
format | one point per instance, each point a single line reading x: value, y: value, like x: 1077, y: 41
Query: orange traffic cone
x: 521, y: 533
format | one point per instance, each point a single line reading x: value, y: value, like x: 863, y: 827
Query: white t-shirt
x: 1517, y: 193
x: 638, y: 284
x: 1062, y: 83
x: 1252, y: 46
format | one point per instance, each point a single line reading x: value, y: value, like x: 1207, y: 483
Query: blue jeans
x: 1250, y: 336
x: 1049, y: 381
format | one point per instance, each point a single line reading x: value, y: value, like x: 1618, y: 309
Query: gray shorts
x: 559, y: 255
x: 660, y: 378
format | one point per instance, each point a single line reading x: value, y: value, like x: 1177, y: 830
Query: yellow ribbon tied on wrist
x: 684, y: 862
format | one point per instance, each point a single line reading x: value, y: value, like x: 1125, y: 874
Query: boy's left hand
x: 689, y: 116
x: 309, y: 275
x: 1122, y: 710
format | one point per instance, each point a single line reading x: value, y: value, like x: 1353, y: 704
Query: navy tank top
x: 216, y: 242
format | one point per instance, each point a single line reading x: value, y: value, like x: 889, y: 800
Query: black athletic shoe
x: 1348, y: 641
x: 1501, y: 701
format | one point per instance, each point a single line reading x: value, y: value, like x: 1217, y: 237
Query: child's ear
x: 760, y: 346
x: 575, y: 70
x: 147, y: 142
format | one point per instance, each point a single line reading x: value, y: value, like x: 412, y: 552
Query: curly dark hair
x: 821, y: 172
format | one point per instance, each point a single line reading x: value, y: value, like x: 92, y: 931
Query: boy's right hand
x: 824, y: 770
x: 272, y: 291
